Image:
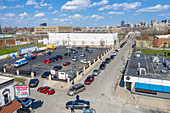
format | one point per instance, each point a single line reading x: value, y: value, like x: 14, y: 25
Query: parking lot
x: 39, y: 68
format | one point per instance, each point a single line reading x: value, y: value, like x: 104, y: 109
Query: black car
x: 45, y: 74
x: 104, y: 63
x: 59, y: 56
x: 73, y: 51
x: 48, y: 53
x: 67, y: 54
x: 55, y: 58
x: 116, y: 50
x: 52, y: 59
x: 78, y: 104
x: 32, y: 58
x: 79, y: 48
x: 102, y: 66
x: 57, y: 67
x: 107, y: 60
x: 111, y: 56
x: 33, y: 82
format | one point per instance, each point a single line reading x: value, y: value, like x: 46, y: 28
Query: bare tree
x: 92, y: 42
x: 57, y: 42
x: 102, y: 42
x: 64, y: 42
x: 149, y: 43
x: 74, y: 43
x: 83, y: 42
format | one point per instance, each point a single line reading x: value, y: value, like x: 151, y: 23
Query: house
x: 161, y: 40
x: 8, y: 103
x: 144, y: 41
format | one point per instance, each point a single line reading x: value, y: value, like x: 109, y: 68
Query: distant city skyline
x: 81, y: 13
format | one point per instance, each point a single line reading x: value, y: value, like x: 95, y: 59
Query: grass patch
x: 159, y: 52
x: 15, y: 79
x: 13, y: 49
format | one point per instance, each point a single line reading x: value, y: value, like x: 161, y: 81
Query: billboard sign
x: 22, y: 91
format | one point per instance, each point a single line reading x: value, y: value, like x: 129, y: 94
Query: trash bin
x: 87, y: 111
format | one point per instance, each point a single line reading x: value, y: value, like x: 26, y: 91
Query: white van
x: 20, y: 62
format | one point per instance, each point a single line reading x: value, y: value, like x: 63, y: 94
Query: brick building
x: 144, y: 41
x: 161, y: 40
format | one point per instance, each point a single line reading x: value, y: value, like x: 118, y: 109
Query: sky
x: 81, y: 13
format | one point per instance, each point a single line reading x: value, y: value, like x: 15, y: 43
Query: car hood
x: 69, y: 103
x: 87, y: 81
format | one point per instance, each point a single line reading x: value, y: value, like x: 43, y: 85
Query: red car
x: 89, y: 80
x: 46, y: 61
x: 66, y: 63
x: 47, y: 90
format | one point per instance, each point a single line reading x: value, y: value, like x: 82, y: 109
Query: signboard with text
x: 22, y: 91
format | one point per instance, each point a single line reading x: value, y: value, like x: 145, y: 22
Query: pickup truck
x: 26, y: 102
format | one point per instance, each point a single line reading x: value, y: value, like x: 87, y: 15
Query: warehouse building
x: 148, y: 75
x: 97, y: 39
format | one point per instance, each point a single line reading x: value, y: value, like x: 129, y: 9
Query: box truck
x: 20, y: 62
x: 51, y: 47
x: 22, y: 51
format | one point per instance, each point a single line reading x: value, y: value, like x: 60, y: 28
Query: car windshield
x: 95, y: 70
x: 88, y: 79
x: 49, y: 88
x: 16, y: 62
x: 72, y: 88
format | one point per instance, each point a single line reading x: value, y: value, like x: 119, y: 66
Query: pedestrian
x: 72, y: 109
x: 73, y: 82
x: 77, y: 97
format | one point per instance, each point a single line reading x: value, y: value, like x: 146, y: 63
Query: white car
x: 85, y: 61
x: 75, y: 58
x: 83, y: 55
x: 114, y: 53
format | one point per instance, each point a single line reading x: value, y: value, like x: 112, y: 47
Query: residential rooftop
x: 4, y: 79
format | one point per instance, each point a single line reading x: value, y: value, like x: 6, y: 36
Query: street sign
x: 22, y: 91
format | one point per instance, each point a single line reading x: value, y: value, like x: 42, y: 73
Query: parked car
x: 26, y: 102
x: 46, y: 61
x: 45, y: 74
x: 79, y: 48
x: 48, y: 53
x: 75, y: 58
x: 96, y: 71
x: 76, y: 89
x: 78, y: 104
x: 73, y: 51
x: 111, y: 56
x: 66, y: 63
x: 116, y: 50
x: 107, y: 60
x: 59, y: 57
x: 32, y: 57
x: 47, y: 90
x: 82, y: 54
x: 114, y: 53
x: 33, y: 82
x: 57, y: 67
x: 102, y: 66
x: 90, y: 50
x: 54, y: 58
x: 67, y: 54
x: 89, y: 80
x: 85, y: 61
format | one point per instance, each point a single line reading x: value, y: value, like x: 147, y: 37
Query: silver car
x: 75, y: 58
x: 76, y: 89
x: 96, y: 71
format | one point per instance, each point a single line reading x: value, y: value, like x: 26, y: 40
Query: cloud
x: 3, y: 7
x: 11, y: 0
x: 64, y: 20
x: 97, y: 17
x: 39, y: 15
x: 154, y: 8
x: 23, y: 14
x: 9, y: 15
x: 125, y: 6
x: 19, y: 6
x: 55, y: 19
x: 54, y: 12
x: 76, y: 16
x: 63, y: 14
x: 76, y: 5
x: 45, y: 4
x: 31, y: 2
x: 164, y: 14
x: 51, y: 7
x: 37, y: 6
x: 116, y: 13
x: 103, y: 2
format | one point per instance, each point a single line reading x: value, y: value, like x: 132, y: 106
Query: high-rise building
x: 43, y: 24
x: 0, y: 29
x: 153, y: 22
x: 122, y: 23
x: 163, y: 21
x: 169, y: 20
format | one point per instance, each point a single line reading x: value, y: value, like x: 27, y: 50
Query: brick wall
x: 158, y: 42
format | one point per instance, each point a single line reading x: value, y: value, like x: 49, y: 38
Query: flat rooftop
x: 152, y: 69
x: 5, y: 79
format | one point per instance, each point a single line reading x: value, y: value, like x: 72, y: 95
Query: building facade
x: 96, y: 39
x: 8, y: 103
x: 52, y: 29
x: 144, y: 41
x: 161, y: 41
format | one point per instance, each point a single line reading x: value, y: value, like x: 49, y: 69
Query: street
x: 100, y: 93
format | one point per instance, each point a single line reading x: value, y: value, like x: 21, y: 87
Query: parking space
x: 39, y: 68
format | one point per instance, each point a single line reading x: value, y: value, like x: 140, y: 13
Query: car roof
x: 78, y: 85
x: 32, y: 80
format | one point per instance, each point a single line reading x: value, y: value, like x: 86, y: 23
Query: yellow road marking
x: 98, y: 81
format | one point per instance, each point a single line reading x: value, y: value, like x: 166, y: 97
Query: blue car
x: 26, y: 102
